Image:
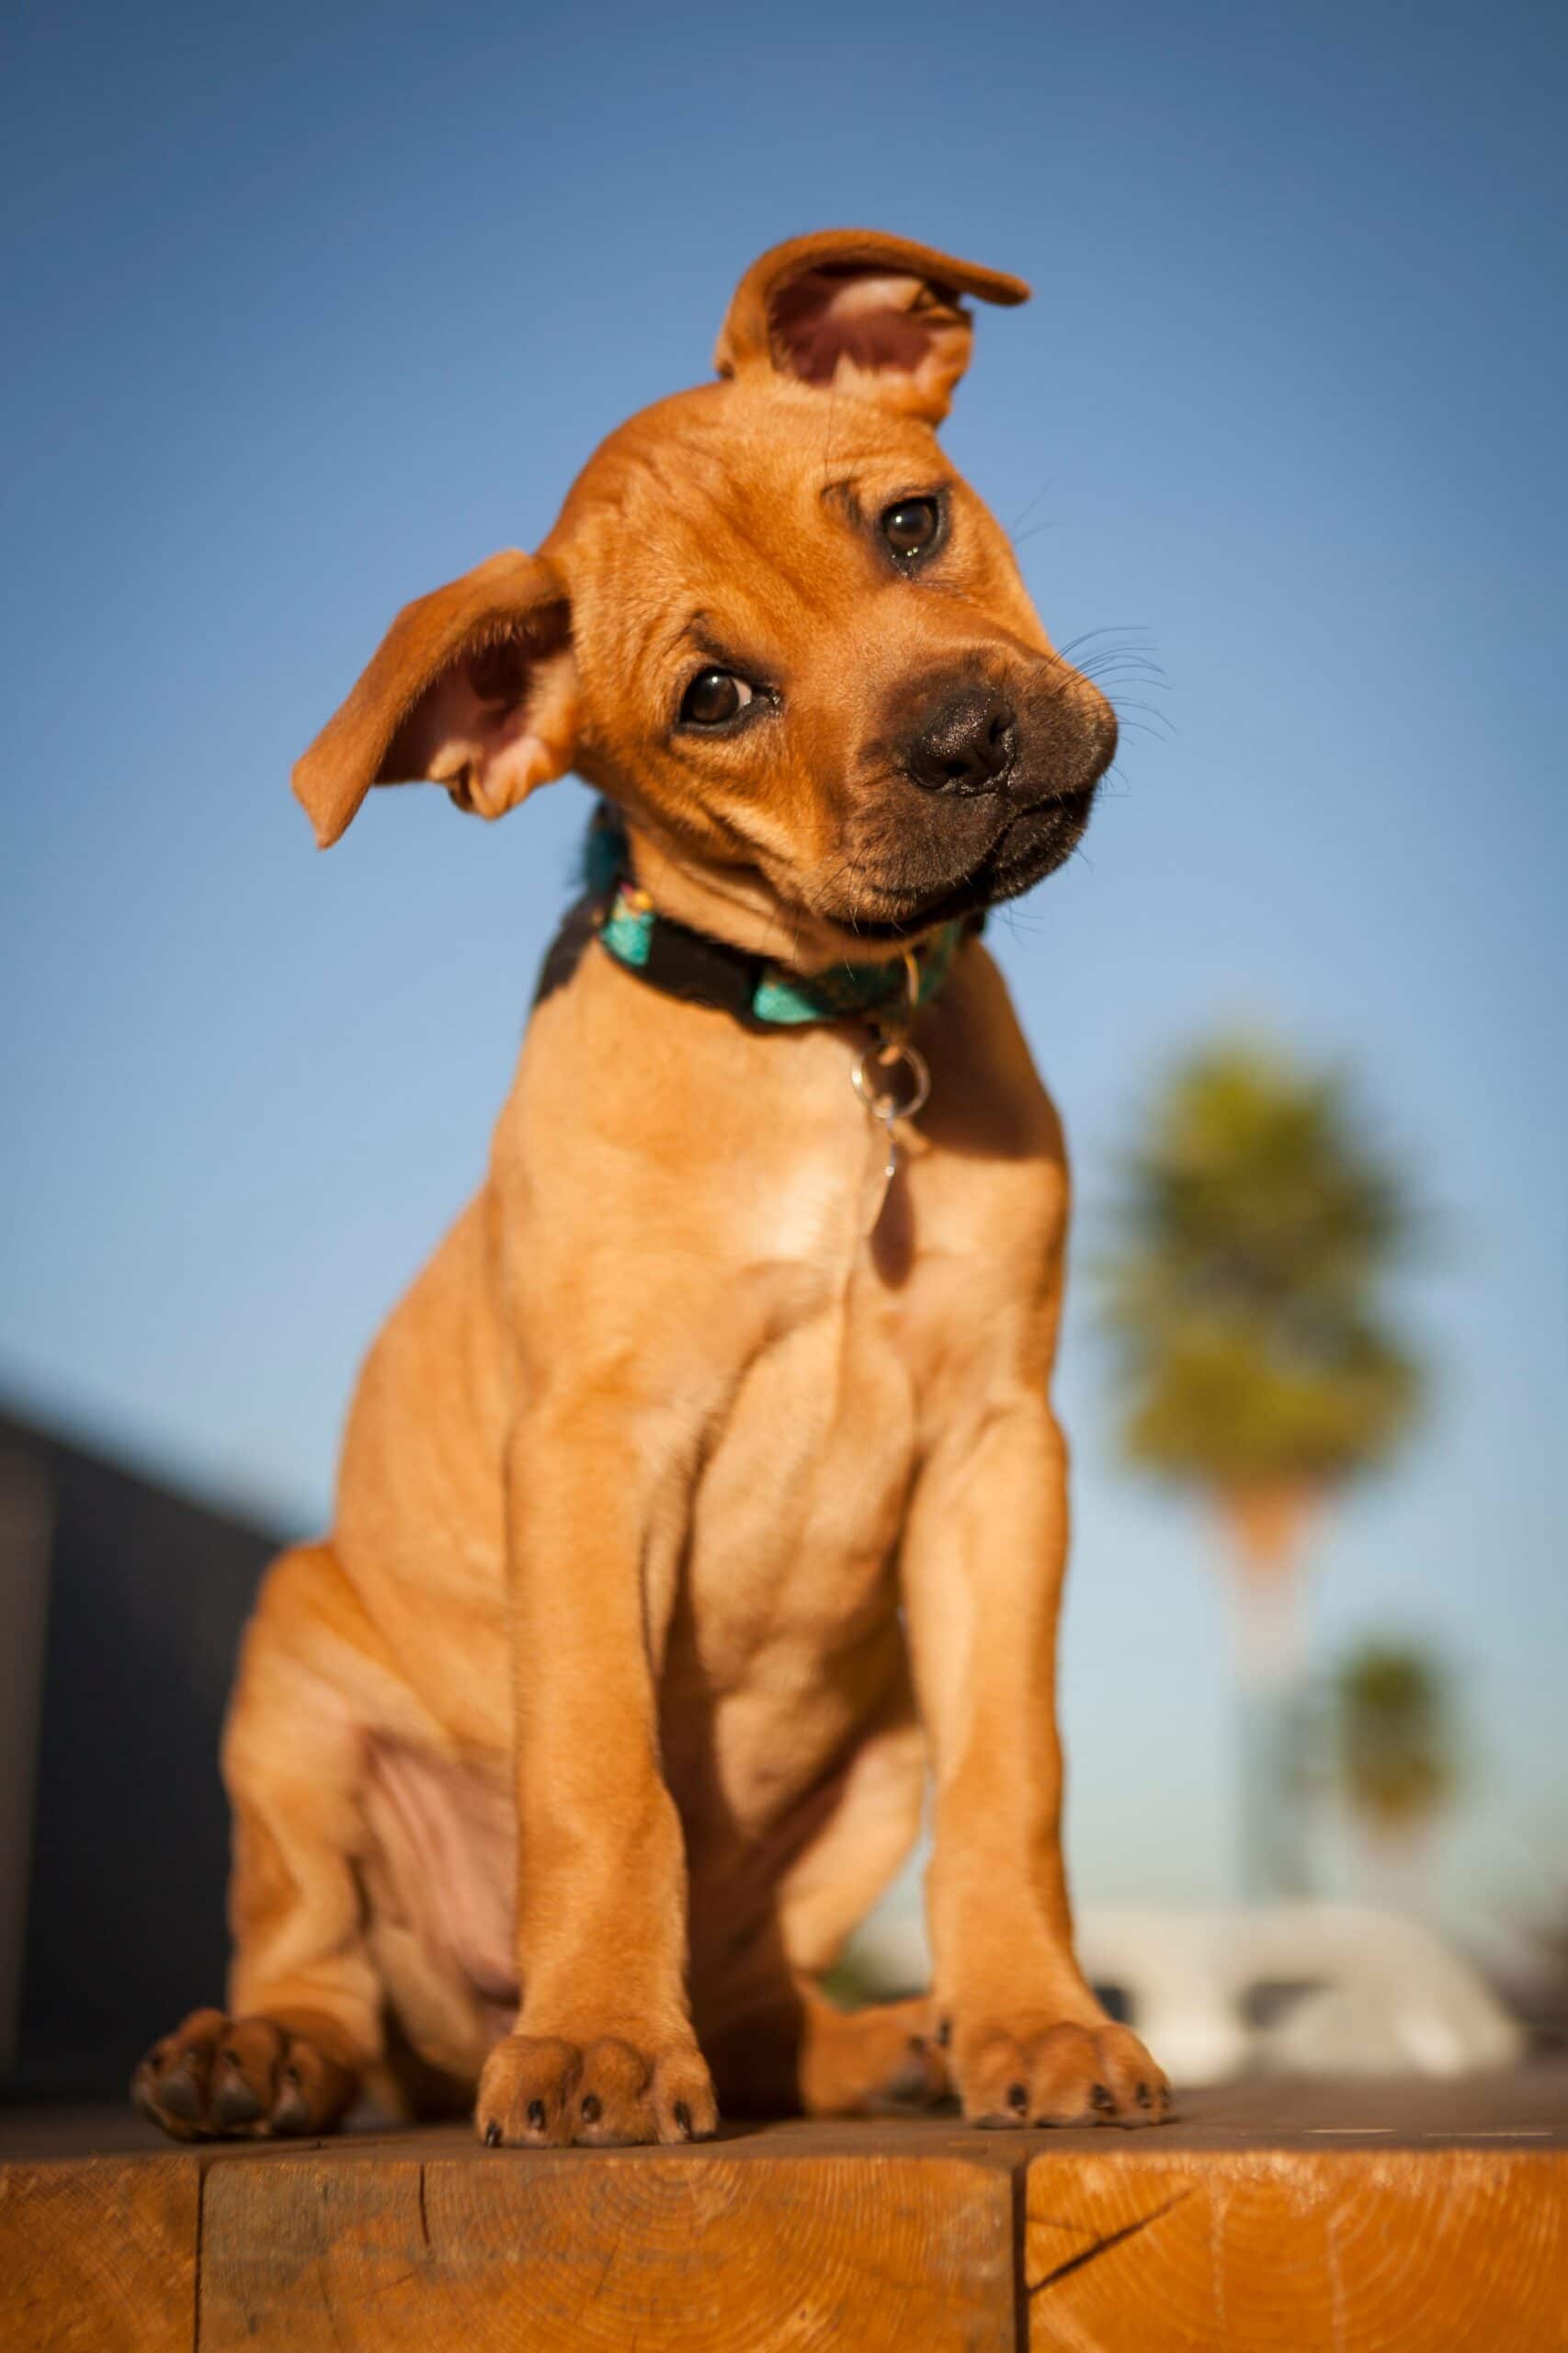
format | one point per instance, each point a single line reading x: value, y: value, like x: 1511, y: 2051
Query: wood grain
x: 707, y: 2252
x: 1270, y: 2217
x: 98, y: 2256
x: 1286, y: 2252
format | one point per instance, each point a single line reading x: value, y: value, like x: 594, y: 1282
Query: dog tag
x: 890, y: 1168
x: 894, y: 1082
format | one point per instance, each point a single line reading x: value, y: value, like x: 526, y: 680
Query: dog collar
x: 764, y: 995
x: 754, y: 991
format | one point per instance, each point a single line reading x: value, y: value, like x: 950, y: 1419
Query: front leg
x: 603, y: 2049
x: 984, y: 1553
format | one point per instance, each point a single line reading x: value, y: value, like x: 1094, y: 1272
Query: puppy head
x: 773, y: 623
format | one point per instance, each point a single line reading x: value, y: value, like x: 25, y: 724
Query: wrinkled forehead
x: 734, y: 482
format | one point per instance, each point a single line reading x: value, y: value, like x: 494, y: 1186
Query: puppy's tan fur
x: 692, y: 1512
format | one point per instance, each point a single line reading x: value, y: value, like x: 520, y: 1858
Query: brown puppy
x: 703, y: 1495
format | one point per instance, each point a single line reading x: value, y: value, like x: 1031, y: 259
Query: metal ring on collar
x: 873, y: 1074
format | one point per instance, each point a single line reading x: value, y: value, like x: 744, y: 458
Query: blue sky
x: 318, y: 306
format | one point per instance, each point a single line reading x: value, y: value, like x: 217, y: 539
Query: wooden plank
x: 1288, y: 2251
x: 706, y: 2250
x: 99, y: 2255
x: 1528, y: 2108
x: 1268, y: 2215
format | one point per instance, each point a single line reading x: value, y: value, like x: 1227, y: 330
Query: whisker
x: 1013, y: 527
x: 1147, y: 674
x: 1150, y: 710
x: 1110, y: 628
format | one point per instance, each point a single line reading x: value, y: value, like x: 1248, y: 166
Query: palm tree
x: 1256, y: 1225
x: 1395, y: 1745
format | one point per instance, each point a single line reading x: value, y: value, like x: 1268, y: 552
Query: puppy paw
x: 538, y: 2092
x: 248, y: 2078
x: 1061, y: 2074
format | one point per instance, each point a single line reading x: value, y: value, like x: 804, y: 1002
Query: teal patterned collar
x: 763, y: 996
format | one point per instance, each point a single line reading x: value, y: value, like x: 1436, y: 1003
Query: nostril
x: 965, y: 744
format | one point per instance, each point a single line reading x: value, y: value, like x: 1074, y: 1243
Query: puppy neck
x: 735, y: 903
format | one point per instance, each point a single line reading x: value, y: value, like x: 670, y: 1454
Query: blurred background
x: 311, y: 308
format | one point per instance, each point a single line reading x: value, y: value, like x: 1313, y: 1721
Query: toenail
x: 291, y: 2114
x: 493, y: 2134
x: 231, y: 2058
x: 1100, y: 2098
x: 536, y: 2114
x: 235, y: 2106
x: 291, y: 2078
x: 943, y: 2034
x: 1018, y: 2097
x: 591, y: 2109
x: 1142, y: 2094
x: 683, y: 2116
x: 177, y: 2092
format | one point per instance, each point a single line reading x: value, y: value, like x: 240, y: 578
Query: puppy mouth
x: 1029, y: 847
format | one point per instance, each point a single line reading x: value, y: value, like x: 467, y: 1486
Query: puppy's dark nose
x: 967, y: 744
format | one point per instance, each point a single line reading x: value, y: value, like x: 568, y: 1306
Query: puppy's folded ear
x: 473, y: 687
x: 860, y: 312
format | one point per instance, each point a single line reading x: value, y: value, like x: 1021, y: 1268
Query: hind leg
x: 797, y: 2054
x: 303, y: 2021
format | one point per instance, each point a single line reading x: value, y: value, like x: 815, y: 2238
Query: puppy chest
x: 795, y: 1515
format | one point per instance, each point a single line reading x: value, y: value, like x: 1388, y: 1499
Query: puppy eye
x: 911, y: 527
x: 713, y: 698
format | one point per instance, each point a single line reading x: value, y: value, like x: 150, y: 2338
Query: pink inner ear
x: 498, y: 720
x: 498, y: 673
x: 861, y: 316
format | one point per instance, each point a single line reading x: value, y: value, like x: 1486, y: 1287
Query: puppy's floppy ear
x: 862, y: 312
x: 473, y: 687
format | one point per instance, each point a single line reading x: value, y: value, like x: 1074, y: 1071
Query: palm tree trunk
x: 1267, y: 1527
